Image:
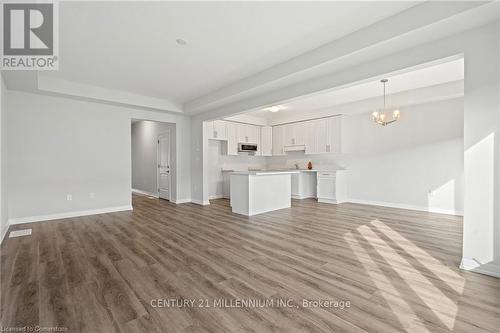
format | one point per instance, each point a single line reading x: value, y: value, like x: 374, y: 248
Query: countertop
x: 281, y: 170
x: 263, y: 172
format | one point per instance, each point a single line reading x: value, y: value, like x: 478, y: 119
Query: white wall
x: 3, y: 170
x: 59, y: 146
x: 481, y: 245
x: 415, y: 163
x: 144, y: 155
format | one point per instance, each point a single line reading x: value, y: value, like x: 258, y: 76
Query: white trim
x: 58, y: 216
x: 181, y: 201
x: 405, y: 206
x: 216, y: 196
x: 475, y: 266
x: 300, y: 197
x: 330, y: 201
x: 149, y: 194
x: 200, y: 202
x: 4, y: 230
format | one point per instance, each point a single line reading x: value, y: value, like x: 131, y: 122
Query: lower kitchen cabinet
x: 304, y: 185
x: 332, y: 186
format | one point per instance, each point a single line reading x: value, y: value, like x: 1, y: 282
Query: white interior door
x: 164, y: 166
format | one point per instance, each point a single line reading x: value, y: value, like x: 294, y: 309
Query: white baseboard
x: 150, y: 194
x: 330, y: 201
x: 200, y: 202
x: 180, y: 201
x: 216, y: 196
x: 475, y: 266
x: 40, y: 218
x: 4, y: 230
x: 405, y: 206
x: 300, y: 197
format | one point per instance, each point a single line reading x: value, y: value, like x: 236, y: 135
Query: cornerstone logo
x: 30, y: 35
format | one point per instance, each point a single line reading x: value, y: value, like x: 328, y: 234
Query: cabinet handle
x: 215, y: 134
x: 327, y: 148
x: 293, y: 141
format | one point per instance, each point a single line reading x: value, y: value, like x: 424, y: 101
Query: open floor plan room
x: 250, y: 166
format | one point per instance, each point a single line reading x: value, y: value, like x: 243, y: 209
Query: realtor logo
x: 30, y: 35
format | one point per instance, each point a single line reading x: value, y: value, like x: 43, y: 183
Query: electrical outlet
x: 69, y: 197
x: 91, y: 195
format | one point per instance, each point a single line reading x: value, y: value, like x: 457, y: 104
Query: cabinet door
x: 209, y: 129
x: 241, y: 130
x: 220, y: 129
x: 333, y: 134
x: 320, y: 136
x: 232, y: 138
x: 253, y: 133
x: 326, y: 187
x: 309, y: 137
x: 288, y: 135
x: 266, y: 141
x: 278, y: 140
x: 299, y: 133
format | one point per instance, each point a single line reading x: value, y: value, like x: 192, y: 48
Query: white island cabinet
x: 255, y: 192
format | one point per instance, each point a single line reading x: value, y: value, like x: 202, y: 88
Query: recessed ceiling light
x: 275, y: 108
x: 181, y: 41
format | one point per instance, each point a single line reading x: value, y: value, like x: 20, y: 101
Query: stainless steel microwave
x: 249, y: 147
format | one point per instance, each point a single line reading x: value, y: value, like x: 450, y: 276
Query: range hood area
x: 294, y: 148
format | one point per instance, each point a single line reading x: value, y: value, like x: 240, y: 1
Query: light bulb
x: 375, y: 114
x: 396, y: 114
x: 382, y: 116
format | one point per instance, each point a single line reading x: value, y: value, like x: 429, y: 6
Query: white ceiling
x: 130, y: 46
x: 427, y: 76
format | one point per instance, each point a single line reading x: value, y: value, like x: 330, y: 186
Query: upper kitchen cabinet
x: 334, y: 134
x: 248, y: 133
x: 327, y: 136
x: 217, y: 129
x: 266, y: 139
x: 294, y: 134
x: 232, y: 139
x: 278, y: 136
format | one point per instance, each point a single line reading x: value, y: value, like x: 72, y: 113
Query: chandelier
x: 380, y: 116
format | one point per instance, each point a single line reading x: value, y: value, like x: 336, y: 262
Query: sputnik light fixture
x: 380, y: 116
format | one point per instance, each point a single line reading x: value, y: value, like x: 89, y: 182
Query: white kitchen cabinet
x: 324, y: 136
x: 309, y: 137
x: 242, y: 132
x: 248, y: 133
x: 294, y: 134
x: 232, y: 139
x: 304, y: 185
x: 332, y: 186
x: 288, y: 135
x: 333, y: 130
x: 217, y: 129
x: 266, y: 140
x: 278, y: 132
x: 320, y: 134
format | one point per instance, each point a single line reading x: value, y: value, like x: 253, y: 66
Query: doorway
x: 154, y: 159
x: 163, y: 174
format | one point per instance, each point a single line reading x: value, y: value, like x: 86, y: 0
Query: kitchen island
x: 256, y: 192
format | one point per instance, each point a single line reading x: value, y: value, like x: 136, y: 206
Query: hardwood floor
x: 397, y: 268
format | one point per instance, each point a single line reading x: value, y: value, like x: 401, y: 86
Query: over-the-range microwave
x: 248, y: 147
